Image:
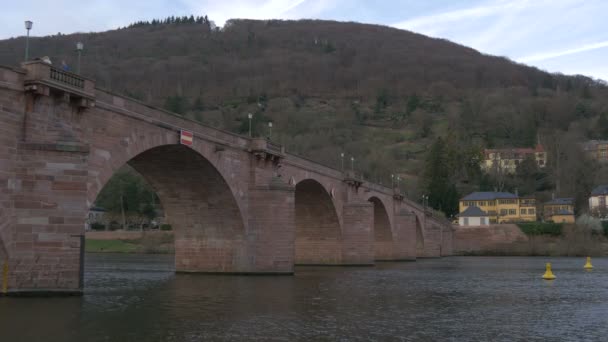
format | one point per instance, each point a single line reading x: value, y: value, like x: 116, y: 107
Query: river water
x: 139, y: 298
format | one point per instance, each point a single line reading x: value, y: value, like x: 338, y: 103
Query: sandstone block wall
x: 486, y: 239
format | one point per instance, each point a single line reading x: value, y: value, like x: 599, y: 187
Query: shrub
x: 98, y: 226
x: 166, y: 227
x: 541, y: 228
x: 605, y: 228
x: 590, y: 223
x: 114, y: 225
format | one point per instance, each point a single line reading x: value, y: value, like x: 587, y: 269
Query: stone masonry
x: 237, y: 205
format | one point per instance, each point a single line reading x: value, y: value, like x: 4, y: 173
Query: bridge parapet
x: 43, y: 79
x: 266, y: 149
x: 353, y: 179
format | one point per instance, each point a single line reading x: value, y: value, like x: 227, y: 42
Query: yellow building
x: 501, y: 207
x: 558, y: 206
x: 527, y: 209
x: 563, y: 216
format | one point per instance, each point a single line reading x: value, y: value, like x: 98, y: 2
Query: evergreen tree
x: 176, y: 104
x: 603, y: 125
x: 442, y: 193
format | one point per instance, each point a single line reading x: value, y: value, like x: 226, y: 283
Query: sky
x: 567, y: 36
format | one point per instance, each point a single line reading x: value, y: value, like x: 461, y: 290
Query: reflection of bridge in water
x: 237, y: 205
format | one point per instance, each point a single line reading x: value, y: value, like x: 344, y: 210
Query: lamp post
x: 425, y: 201
x: 270, y: 130
x: 393, y: 182
x: 250, y: 116
x: 352, y: 165
x: 398, y: 180
x: 342, y: 161
x: 28, y: 27
x: 79, y: 47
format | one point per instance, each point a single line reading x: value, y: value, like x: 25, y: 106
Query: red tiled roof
x: 524, y: 150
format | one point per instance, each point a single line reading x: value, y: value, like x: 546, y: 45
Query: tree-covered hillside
x: 381, y: 94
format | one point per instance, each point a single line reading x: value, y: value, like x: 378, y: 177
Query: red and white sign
x: 186, y: 137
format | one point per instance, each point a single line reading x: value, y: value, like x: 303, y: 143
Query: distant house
x: 96, y: 215
x: 501, y: 206
x: 563, y: 216
x: 560, y: 206
x: 473, y: 216
x: 507, y: 159
x: 596, y: 150
x: 597, y: 201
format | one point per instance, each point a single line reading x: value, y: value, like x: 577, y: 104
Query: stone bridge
x: 237, y: 204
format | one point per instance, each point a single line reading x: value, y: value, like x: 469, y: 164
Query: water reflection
x: 139, y: 298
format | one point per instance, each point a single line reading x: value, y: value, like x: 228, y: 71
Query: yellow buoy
x: 588, y: 265
x: 548, y: 274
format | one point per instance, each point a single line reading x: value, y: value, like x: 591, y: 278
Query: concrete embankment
x: 119, y: 241
x: 508, y: 239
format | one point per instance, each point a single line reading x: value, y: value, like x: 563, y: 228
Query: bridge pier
x: 272, y: 227
x: 358, y: 234
x: 49, y: 207
x: 404, y: 245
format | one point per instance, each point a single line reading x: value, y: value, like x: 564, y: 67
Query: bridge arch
x: 197, y: 200
x: 383, y: 233
x: 318, y: 238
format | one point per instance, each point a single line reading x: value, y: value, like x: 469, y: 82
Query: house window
x: 531, y: 211
x: 503, y: 212
x: 512, y: 212
x: 523, y: 211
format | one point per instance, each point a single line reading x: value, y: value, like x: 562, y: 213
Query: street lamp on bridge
x: 270, y: 130
x: 250, y: 116
x: 79, y: 47
x: 28, y: 27
x: 342, y: 161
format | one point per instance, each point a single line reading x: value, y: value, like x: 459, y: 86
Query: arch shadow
x: 383, y: 234
x: 208, y: 226
x: 318, y: 232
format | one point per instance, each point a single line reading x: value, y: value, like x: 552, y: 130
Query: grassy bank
x: 110, y: 246
x: 148, y: 243
x: 538, y: 239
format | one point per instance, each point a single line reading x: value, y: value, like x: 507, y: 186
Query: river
x: 139, y: 298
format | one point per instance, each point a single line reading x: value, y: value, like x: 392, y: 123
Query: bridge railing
x: 267, y: 147
x: 43, y: 78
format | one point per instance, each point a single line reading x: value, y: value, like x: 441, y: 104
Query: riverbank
x: 146, y: 242
x: 509, y: 240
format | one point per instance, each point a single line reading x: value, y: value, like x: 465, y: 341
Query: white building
x: 96, y: 215
x: 473, y: 216
x: 598, y: 200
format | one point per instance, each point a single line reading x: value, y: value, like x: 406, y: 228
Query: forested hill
x: 381, y: 94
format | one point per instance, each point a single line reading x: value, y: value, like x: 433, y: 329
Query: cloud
x: 472, y: 13
x: 554, y: 54
x: 221, y: 11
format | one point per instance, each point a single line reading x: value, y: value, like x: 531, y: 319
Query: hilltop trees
x: 329, y: 87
